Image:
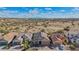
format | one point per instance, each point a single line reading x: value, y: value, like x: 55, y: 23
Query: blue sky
x: 39, y: 12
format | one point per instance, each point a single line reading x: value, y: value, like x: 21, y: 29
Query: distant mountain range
x: 43, y: 18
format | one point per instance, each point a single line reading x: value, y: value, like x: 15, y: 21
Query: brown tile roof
x: 9, y: 37
x: 58, y: 37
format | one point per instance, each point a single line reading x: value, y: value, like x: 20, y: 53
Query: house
x: 40, y: 39
x: 25, y: 36
x: 73, y: 38
x: 10, y: 38
x: 58, y: 38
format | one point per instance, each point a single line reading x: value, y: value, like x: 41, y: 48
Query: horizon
x: 39, y: 12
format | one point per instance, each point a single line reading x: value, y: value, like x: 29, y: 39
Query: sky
x: 39, y: 12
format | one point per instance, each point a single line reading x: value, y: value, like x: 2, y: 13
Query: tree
x: 25, y: 44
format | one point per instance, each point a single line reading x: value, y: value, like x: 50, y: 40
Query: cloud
x: 48, y: 8
x: 3, y: 8
x: 62, y: 10
x: 75, y: 9
x: 37, y: 13
x: 33, y: 11
x: 9, y: 13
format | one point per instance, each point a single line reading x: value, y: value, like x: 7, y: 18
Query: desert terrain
x: 35, y: 25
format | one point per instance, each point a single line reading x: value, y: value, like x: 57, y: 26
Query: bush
x: 60, y: 31
x: 67, y: 28
x: 4, y: 31
x: 72, y: 47
x: 25, y: 44
x: 43, y: 30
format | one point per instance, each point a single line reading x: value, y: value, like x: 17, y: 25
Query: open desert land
x: 30, y: 26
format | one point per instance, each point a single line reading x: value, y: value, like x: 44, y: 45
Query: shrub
x: 67, y: 28
x: 4, y: 31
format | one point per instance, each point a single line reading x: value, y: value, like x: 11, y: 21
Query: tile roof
x: 9, y: 37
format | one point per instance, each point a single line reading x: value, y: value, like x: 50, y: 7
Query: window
x: 39, y: 42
